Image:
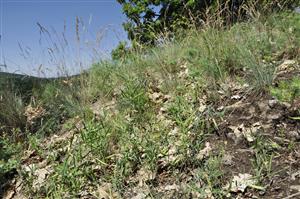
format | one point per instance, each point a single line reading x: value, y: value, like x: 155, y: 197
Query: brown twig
x: 293, y: 195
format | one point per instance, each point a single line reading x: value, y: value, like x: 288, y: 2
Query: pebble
x: 227, y: 160
x: 293, y: 135
x: 236, y: 97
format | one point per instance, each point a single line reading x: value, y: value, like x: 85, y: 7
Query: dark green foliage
x: 287, y: 91
x: 120, y: 52
x: 148, y: 19
x: 12, y: 111
x: 9, y: 160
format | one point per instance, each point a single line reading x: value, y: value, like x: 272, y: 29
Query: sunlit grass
x: 148, y: 113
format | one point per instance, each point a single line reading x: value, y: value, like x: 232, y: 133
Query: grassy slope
x: 19, y: 91
x: 159, y: 124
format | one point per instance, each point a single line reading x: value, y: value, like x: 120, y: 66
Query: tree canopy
x: 148, y: 19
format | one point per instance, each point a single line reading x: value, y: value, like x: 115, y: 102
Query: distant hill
x: 8, y: 75
x: 21, y: 83
x: 24, y: 84
x: 15, y: 76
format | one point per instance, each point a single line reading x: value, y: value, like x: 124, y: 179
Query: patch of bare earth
x: 252, y: 116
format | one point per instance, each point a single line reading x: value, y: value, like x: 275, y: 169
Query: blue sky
x: 19, y: 29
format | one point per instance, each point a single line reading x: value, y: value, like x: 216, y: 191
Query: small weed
x: 263, y: 158
x: 287, y: 91
x: 10, y: 159
x: 209, y: 176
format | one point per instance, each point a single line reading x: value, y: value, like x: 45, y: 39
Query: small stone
x: 236, y: 97
x: 171, y: 187
x: 272, y: 103
x: 295, y: 175
x: 220, y: 108
x: 293, y: 135
x: 295, y: 187
x: 286, y: 105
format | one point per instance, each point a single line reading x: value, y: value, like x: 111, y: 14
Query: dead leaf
x: 171, y: 187
x: 236, y: 97
x: 248, y: 133
x: 184, y: 71
x: 41, y: 175
x: 202, y: 107
x: 252, y: 131
x: 204, y: 152
x: 237, y: 131
x: 158, y: 97
x: 105, y: 191
x: 241, y: 182
x: 172, y: 153
x: 220, y: 108
x: 286, y: 66
x: 174, y: 131
x: 237, y: 105
x: 34, y: 113
x: 144, y: 175
x: 9, y: 194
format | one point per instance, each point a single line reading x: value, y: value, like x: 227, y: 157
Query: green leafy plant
x: 9, y: 158
x: 287, y: 91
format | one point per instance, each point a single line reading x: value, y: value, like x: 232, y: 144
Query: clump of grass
x: 12, y: 111
x: 60, y: 101
x: 210, y: 174
x: 263, y: 160
x: 10, y: 158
